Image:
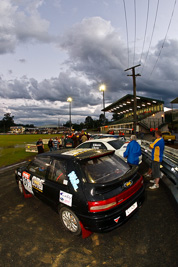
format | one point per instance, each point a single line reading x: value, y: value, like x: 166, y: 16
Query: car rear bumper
x: 105, y: 222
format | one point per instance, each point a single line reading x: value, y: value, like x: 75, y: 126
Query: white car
x: 109, y: 144
x: 99, y: 136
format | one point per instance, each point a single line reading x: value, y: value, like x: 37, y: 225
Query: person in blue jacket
x: 133, y: 151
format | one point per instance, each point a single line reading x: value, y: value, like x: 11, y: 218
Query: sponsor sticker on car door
x: 27, y: 182
x: 65, y: 198
x: 37, y: 183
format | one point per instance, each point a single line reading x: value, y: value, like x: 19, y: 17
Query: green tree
x: 6, y: 122
x: 67, y: 124
x: 102, y: 120
x: 89, y: 122
x: 116, y: 117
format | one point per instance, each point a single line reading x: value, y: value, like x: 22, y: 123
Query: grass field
x: 12, y: 147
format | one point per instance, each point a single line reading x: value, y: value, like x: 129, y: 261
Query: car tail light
x: 103, y: 205
x: 97, y: 206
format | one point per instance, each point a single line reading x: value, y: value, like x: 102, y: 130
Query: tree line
x: 89, y: 123
x: 8, y: 121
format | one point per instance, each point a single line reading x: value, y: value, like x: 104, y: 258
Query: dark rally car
x: 93, y: 190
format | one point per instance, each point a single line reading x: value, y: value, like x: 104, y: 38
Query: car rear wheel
x: 70, y: 221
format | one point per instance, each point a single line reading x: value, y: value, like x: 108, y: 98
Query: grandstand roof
x: 126, y: 103
x: 175, y: 101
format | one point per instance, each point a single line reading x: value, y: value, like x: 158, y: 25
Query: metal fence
x: 169, y: 165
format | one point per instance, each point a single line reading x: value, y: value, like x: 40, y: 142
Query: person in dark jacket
x: 133, y: 151
x: 40, y: 146
x: 50, y: 144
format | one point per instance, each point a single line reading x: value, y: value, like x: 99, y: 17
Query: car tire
x: 172, y: 142
x: 70, y: 221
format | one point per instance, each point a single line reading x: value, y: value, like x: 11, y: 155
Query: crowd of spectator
x: 71, y: 140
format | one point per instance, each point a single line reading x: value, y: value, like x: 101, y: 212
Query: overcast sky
x: 53, y: 49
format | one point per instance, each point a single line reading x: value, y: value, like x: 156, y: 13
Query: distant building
x: 174, y: 111
x: 47, y: 129
x: 171, y: 116
x: 17, y: 129
x: 52, y: 129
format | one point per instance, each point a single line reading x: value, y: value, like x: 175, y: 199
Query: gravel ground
x: 31, y: 234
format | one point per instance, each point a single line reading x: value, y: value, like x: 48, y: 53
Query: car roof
x: 79, y: 154
x: 103, y: 140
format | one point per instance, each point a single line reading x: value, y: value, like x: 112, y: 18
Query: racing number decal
x: 37, y: 183
x: 27, y: 182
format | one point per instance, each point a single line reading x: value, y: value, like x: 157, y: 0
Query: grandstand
x: 150, y: 114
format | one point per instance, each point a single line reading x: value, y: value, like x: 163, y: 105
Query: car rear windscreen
x: 104, y: 169
x: 117, y: 144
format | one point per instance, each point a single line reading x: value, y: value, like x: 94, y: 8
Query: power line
x: 151, y: 35
x: 145, y: 30
x: 162, y: 46
x: 126, y: 30
x: 135, y: 31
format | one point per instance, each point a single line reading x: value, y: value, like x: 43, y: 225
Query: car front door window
x: 58, y: 172
x: 38, y: 167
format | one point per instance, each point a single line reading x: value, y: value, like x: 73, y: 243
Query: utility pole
x: 134, y: 93
x: 104, y: 107
x: 58, y: 122
x: 102, y: 88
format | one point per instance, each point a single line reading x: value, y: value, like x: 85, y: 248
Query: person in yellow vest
x: 157, y: 157
x: 84, y: 138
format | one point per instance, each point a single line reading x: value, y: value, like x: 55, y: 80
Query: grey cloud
x: 61, y: 88
x: 22, y: 60
x: 96, y: 54
x: 94, y: 45
x: 162, y: 83
x: 45, y: 113
x: 53, y: 89
x: 96, y: 51
x: 18, y: 25
x: 14, y: 89
x: 10, y: 71
x: 31, y: 28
